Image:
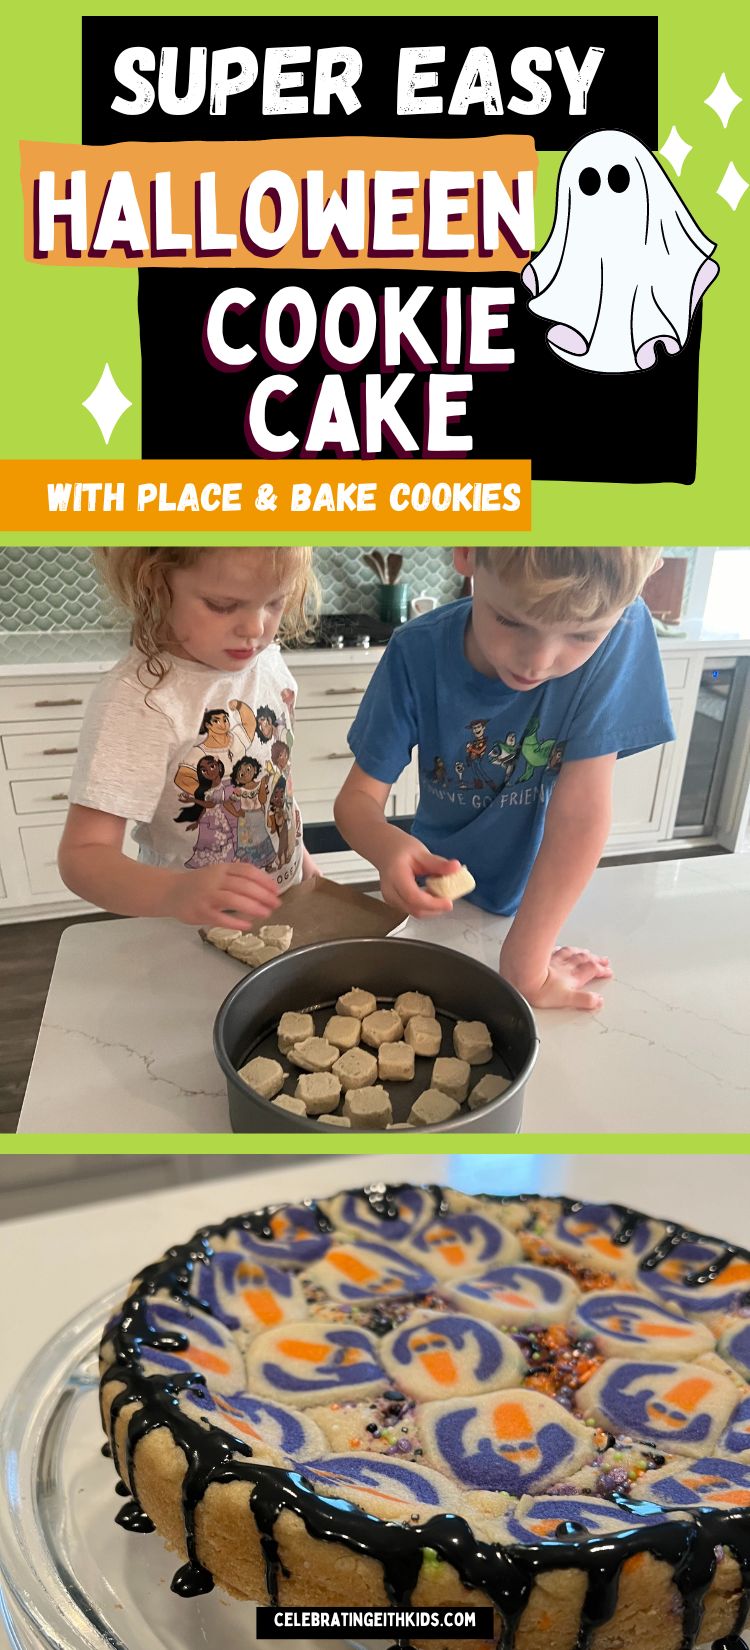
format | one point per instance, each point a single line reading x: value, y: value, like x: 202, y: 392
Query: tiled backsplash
x: 58, y: 589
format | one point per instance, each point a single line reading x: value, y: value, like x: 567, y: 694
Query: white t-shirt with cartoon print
x: 201, y: 761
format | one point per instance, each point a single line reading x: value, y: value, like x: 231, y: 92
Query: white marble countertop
x: 93, y: 1255
x: 125, y: 1042
x: 65, y: 652
x: 60, y: 652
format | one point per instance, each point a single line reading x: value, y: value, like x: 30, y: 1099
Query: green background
x: 61, y: 325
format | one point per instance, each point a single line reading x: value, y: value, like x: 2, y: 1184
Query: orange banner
x: 461, y: 204
x: 306, y: 497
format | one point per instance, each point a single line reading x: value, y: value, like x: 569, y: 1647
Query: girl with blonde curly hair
x: 203, y: 685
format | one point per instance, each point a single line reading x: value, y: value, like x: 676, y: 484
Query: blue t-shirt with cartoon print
x: 489, y: 755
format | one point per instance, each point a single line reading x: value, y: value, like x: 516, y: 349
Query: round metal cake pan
x: 310, y: 979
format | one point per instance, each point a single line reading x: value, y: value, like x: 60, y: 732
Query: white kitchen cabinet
x: 645, y: 785
x: 40, y: 718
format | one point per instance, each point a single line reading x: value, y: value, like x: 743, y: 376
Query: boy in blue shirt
x: 520, y: 701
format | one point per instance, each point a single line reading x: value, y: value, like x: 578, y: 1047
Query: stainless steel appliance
x: 723, y: 688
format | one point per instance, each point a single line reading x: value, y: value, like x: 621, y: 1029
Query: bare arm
x: 246, y: 715
x: 93, y: 865
x: 576, y: 829
x: 359, y: 812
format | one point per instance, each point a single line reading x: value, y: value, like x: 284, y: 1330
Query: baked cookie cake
x: 411, y: 1396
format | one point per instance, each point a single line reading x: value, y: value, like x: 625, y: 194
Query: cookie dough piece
x: 313, y: 1054
x: 454, y: 886
x: 385, y: 1026
x: 338, y: 1122
x: 221, y: 937
x: 433, y: 1107
x: 289, y: 1102
x: 472, y: 1042
x: 277, y: 933
x: 320, y: 1090
x: 344, y: 1031
x: 410, y: 1003
x: 356, y: 1069
x: 247, y: 948
x: 294, y: 1028
x: 424, y: 1034
x: 396, y: 1062
x: 369, y: 1108
x: 489, y: 1087
x: 452, y: 1078
x: 264, y: 954
x: 357, y: 1003
x: 267, y: 1077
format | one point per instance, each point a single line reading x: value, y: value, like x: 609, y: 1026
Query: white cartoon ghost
x: 625, y: 264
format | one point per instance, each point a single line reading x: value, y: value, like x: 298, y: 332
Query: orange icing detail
x: 353, y: 1268
x: 441, y: 1366
x: 206, y: 1360
x: 453, y: 1253
x: 510, y: 1421
x: 263, y: 1304
x: 311, y: 1351
x: 677, y: 1330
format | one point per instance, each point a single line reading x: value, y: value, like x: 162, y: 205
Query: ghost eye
x: 618, y: 179
x: 589, y: 180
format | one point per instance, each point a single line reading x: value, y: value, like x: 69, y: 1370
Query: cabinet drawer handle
x: 45, y: 704
x: 338, y: 756
x: 333, y: 693
x: 59, y: 796
x: 62, y: 750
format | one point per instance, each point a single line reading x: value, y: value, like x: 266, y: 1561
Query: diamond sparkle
x: 723, y: 100
x: 106, y: 403
x: 676, y: 150
x: 732, y: 186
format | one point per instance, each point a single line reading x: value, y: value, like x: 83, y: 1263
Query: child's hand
x: 568, y: 973
x: 405, y: 860
x: 220, y: 896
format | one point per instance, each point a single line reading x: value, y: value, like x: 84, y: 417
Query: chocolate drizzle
x: 505, y: 1573
x: 133, y: 1518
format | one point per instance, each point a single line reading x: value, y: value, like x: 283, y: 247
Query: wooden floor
x: 27, y: 957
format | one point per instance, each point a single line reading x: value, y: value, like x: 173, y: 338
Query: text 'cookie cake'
x: 411, y: 1396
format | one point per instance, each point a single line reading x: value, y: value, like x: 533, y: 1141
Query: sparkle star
x: 732, y: 186
x: 106, y: 403
x: 676, y: 150
x: 723, y: 100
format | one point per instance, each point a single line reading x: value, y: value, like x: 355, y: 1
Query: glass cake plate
x: 70, y: 1577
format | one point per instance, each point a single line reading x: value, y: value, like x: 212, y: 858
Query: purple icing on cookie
x: 181, y: 1339
x: 296, y: 1237
x: 506, y: 1443
x: 546, y: 1518
x: 630, y: 1318
x: 378, y: 1476
x: 465, y: 1239
x: 343, y: 1359
x: 231, y: 1274
x: 596, y: 1226
x: 708, y: 1482
x: 360, y: 1271
x: 385, y: 1220
x: 736, y: 1439
x: 430, y: 1346
x: 735, y: 1345
x: 665, y: 1402
x: 258, y: 1421
x: 724, y: 1293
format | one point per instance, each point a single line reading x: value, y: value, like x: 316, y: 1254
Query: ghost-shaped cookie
x: 625, y: 264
